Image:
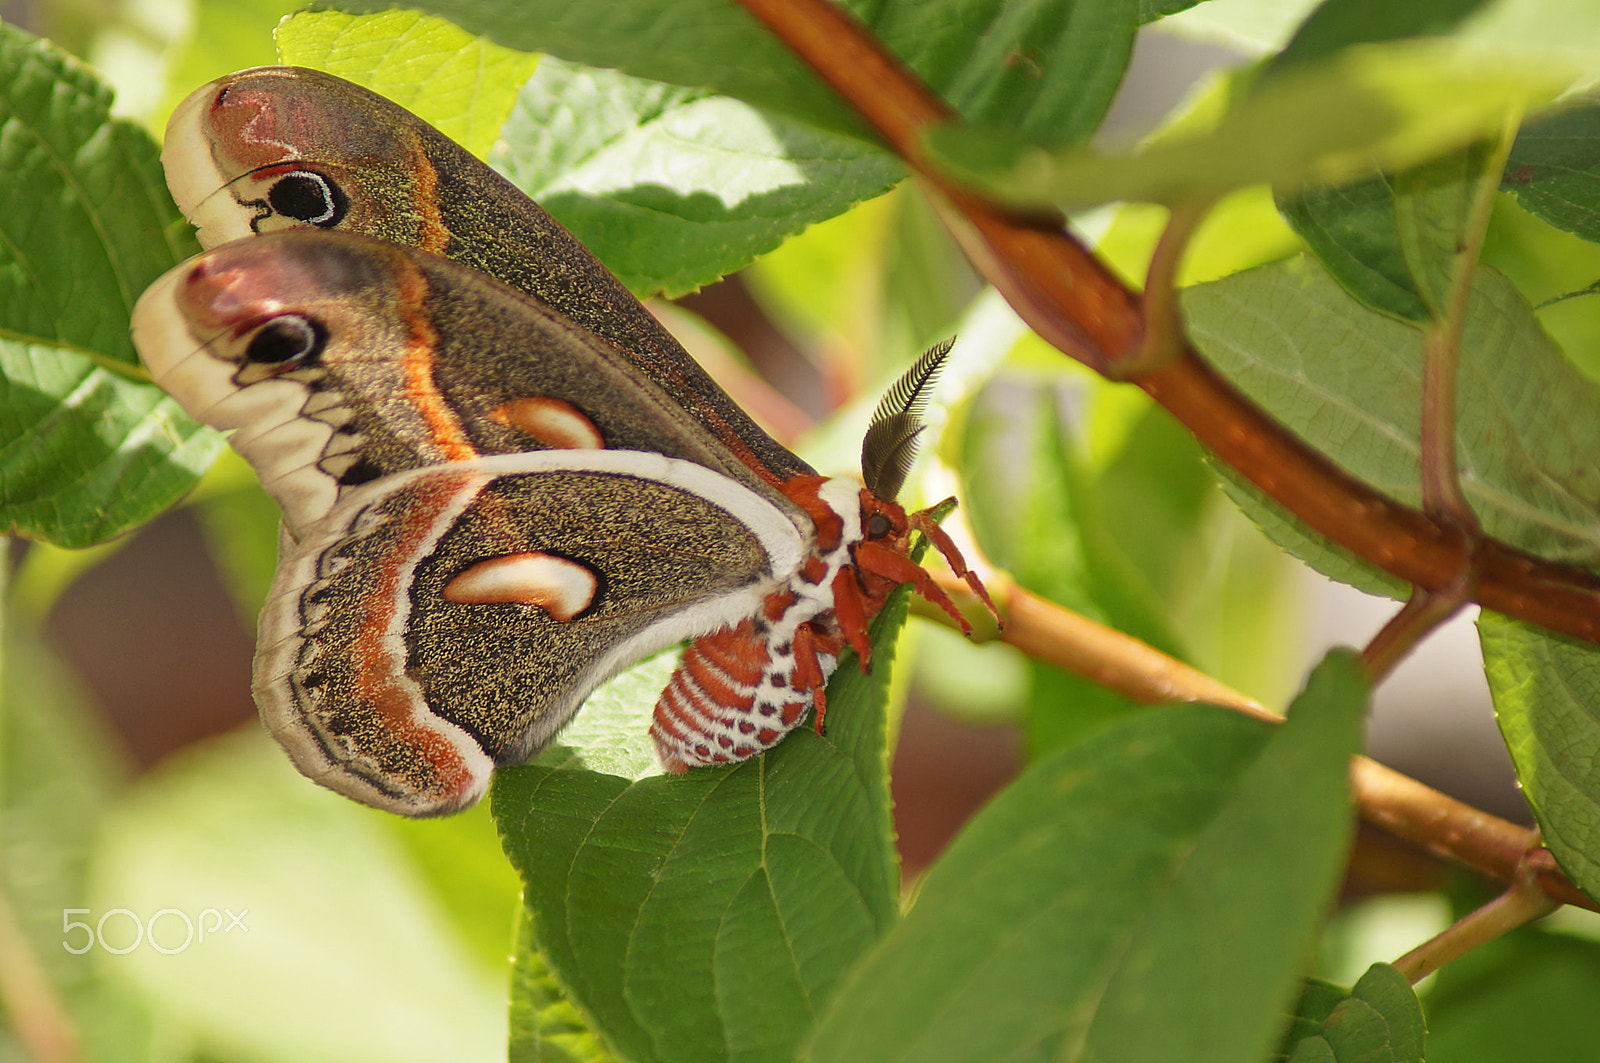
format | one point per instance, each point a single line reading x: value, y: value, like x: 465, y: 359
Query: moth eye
x: 290, y: 340
x: 309, y: 197
x: 878, y: 526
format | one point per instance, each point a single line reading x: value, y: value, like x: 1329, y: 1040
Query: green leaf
x: 1351, y: 230
x: 1316, y: 1003
x: 86, y: 451
x: 1147, y: 894
x: 1529, y: 994
x: 868, y: 287
x: 1379, y: 1021
x: 86, y: 222
x: 545, y: 1026
x: 813, y: 284
x: 341, y: 930
x: 1037, y: 508
x: 1285, y: 529
x: 709, y: 915
x: 1313, y: 1050
x: 462, y: 85
x: 1048, y: 67
x: 1357, y: 1033
x: 1374, y: 107
x: 1547, y: 700
x: 1215, y: 579
x: 1554, y: 169
x: 1151, y: 10
x: 1546, y: 264
x: 1393, y: 240
x: 1347, y: 380
x: 738, y: 184
x: 1392, y: 997
x: 1155, y: 493
x: 1432, y: 209
x: 1338, y: 24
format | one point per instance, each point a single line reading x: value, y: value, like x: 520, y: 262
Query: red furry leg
x: 896, y: 567
x: 952, y: 556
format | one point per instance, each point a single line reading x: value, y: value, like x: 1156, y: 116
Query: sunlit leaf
x: 462, y: 85
x: 1337, y: 24
x: 1049, y: 67
x: 1376, y: 107
x: 672, y: 187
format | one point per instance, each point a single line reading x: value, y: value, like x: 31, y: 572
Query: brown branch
x: 1074, y: 302
x: 1423, y: 612
x: 1384, y: 797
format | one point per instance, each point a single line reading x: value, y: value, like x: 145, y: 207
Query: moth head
x: 891, y: 443
x: 278, y: 148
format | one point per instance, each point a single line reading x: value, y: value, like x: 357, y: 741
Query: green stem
x: 1163, y: 340
x: 1442, y: 497
x: 1522, y: 902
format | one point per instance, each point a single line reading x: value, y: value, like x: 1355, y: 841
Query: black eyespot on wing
x: 362, y: 471
x: 288, y: 341
x: 309, y: 197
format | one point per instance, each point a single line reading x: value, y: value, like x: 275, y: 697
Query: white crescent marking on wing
x: 785, y: 548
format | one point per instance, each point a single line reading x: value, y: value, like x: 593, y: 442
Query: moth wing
x: 444, y: 621
x: 336, y: 359
x: 278, y: 148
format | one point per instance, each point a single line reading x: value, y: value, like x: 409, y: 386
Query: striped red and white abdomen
x: 739, y: 690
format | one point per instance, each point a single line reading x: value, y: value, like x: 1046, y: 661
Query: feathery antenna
x: 891, y: 443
